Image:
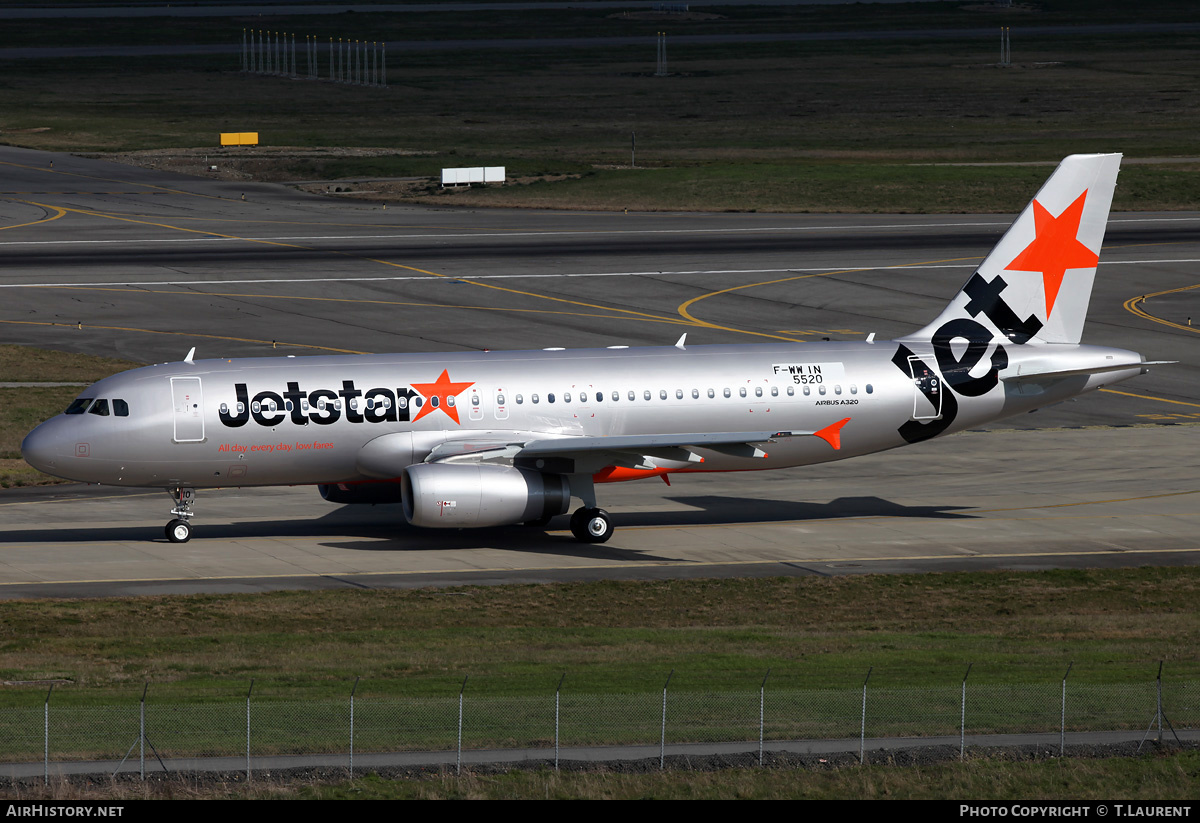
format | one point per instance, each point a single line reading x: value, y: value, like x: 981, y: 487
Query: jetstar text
x: 320, y: 406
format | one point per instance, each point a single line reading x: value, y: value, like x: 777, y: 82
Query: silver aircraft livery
x: 474, y: 439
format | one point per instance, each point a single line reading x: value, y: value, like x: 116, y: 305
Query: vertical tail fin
x: 1037, y: 281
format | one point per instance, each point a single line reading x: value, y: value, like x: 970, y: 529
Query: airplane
x: 492, y: 438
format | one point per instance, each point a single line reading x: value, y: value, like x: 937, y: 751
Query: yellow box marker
x: 239, y: 138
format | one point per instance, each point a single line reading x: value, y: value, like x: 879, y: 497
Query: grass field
x: 844, y: 125
x: 918, y: 631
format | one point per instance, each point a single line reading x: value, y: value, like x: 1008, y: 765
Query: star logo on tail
x: 1055, y: 248
x: 439, y: 395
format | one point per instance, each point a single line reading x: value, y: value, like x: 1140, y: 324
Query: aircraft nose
x: 42, y: 447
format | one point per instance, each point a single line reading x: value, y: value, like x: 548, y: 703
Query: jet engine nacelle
x: 371, y: 493
x: 468, y: 495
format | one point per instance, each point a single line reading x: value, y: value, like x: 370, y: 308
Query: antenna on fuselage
x: 679, y: 342
x: 191, y: 352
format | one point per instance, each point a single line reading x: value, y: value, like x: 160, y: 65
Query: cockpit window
x: 78, y: 405
x: 120, y: 408
x: 100, y: 407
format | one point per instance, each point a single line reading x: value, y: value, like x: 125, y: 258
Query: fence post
x: 862, y: 735
x: 248, y: 693
x: 762, y: 694
x: 1062, y: 734
x: 142, y: 732
x: 352, y: 691
x: 1160, y: 715
x: 662, y: 741
x: 46, y: 738
x: 458, y: 765
x: 1158, y: 701
x: 962, y: 729
x: 557, y: 692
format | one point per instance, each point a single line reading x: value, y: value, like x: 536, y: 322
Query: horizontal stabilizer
x: 1055, y: 374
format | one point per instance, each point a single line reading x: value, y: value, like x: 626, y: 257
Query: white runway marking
x: 452, y: 278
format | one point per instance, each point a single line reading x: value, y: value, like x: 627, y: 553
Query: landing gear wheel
x: 179, y: 531
x: 591, y: 525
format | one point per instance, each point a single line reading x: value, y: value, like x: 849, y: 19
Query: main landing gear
x: 591, y: 525
x: 179, y: 530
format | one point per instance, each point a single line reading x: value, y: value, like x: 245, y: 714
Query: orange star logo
x: 439, y: 394
x: 1056, y: 248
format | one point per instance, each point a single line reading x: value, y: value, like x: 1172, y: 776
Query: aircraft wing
x: 568, y: 455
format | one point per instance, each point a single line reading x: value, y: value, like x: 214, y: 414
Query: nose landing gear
x: 179, y: 530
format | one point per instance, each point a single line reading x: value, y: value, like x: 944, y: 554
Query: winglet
x: 832, y: 434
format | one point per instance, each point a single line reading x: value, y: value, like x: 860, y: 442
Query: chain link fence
x: 139, y: 732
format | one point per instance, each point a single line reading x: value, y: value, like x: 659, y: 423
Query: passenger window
x: 822, y: 390
x: 791, y: 391
x: 774, y: 391
x: 742, y: 391
x: 450, y: 401
x: 695, y: 394
x: 599, y: 397
x: 401, y: 403
x: 100, y: 407
x: 78, y: 405
x: 711, y: 394
x: 870, y: 389
x: 520, y: 400
x: 807, y: 391
x: 550, y: 397
x: 853, y: 389
x: 534, y: 398
x: 632, y: 396
x: 758, y: 391
x: 500, y: 399
x: 837, y: 389
x: 662, y: 394
x: 727, y: 392
x: 566, y: 397
x: 474, y: 400
x: 646, y: 394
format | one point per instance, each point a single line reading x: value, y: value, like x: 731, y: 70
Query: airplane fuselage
x: 306, y: 420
